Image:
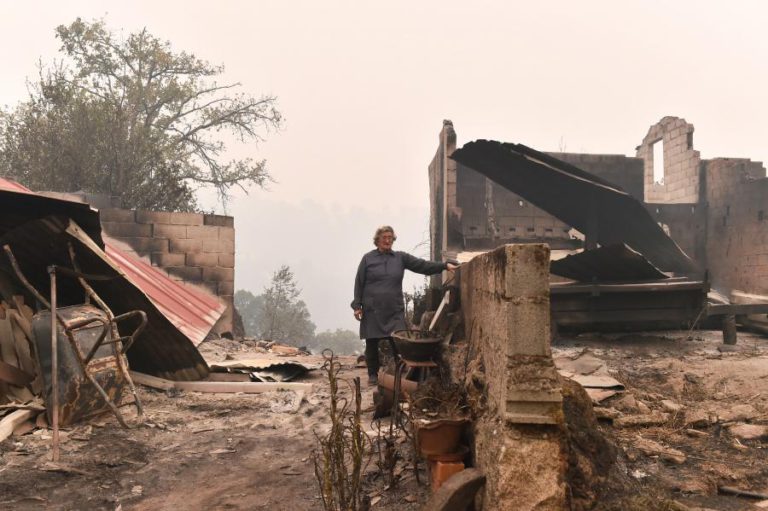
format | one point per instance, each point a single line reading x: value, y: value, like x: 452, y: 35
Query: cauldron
x: 416, y: 346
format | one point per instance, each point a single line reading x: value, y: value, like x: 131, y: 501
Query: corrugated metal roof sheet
x: 184, y: 314
x: 614, y: 263
x: 18, y: 204
x: 577, y: 198
x: 193, y: 311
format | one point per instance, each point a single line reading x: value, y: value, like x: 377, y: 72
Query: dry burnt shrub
x: 438, y: 399
x: 341, y: 454
x: 590, y: 455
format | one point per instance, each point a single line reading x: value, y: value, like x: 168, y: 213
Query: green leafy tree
x: 251, y: 309
x: 285, y: 317
x: 131, y: 117
x: 341, y: 341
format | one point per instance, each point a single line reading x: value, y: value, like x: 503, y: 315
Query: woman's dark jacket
x: 379, y: 290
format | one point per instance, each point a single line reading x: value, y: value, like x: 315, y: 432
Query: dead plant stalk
x: 340, y: 455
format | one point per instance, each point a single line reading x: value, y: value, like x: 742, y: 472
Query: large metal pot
x: 416, y: 346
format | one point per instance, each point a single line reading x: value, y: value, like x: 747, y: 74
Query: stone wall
x: 681, y: 162
x: 518, y: 436
x: 192, y: 248
x: 737, y: 225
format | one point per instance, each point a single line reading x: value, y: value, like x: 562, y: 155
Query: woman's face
x: 386, y: 239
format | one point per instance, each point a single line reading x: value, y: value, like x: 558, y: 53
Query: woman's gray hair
x: 381, y: 230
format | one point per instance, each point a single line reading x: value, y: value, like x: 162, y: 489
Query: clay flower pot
x: 439, y: 436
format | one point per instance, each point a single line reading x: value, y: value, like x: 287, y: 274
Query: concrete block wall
x: 681, y: 162
x: 442, y: 197
x: 515, y: 219
x: 687, y: 225
x: 193, y: 248
x: 626, y: 172
x: 519, y: 441
x: 737, y: 224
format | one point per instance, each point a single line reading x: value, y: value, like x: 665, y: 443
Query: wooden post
x: 729, y: 329
x: 54, y: 367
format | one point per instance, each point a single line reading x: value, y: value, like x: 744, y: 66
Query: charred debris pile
x: 116, y: 319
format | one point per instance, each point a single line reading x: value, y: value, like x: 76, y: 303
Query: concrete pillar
x: 518, y: 438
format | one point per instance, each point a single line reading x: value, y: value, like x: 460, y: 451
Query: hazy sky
x: 365, y: 86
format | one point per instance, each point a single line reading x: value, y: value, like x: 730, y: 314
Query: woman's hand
x: 451, y: 267
x: 359, y: 314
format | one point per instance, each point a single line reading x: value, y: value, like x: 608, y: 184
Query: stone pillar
x: 518, y: 438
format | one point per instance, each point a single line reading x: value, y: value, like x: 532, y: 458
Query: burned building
x: 697, y: 221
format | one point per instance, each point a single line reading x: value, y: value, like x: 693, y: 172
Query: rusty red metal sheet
x: 192, y: 311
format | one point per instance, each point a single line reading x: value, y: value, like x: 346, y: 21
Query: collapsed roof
x: 39, y: 229
x: 584, y: 201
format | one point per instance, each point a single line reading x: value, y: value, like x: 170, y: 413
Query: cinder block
x: 227, y: 260
x: 117, y: 215
x: 185, y: 246
x: 186, y: 219
x: 203, y: 232
x: 127, y: 230
x: 166, y: 259
x: 153, y: 217
x: 218, y: 274
x: 226, y: 233
x: 527, y: 327
x: 219, y: 220
x: 226, y: 288
x: 211, y: 287
x: 169, y: 231
x: 218, y: 246
x: 186, y: 273
x: 202, y: 259
x: 211, y: 246
x: 147, y: 245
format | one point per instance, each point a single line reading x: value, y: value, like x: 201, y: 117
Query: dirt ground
x: 248, y: 452
x: 696, y: 394
x: 194, y: 451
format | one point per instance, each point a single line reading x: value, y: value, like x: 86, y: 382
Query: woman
x: 378, y: 302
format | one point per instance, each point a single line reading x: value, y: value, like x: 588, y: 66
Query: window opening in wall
x: 658, y: 162
x: 689, y: 140
x: 760, y: 216
x: 693, y: 209
x: 728, y: 210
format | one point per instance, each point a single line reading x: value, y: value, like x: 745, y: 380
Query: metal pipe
x: 54, y: 366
